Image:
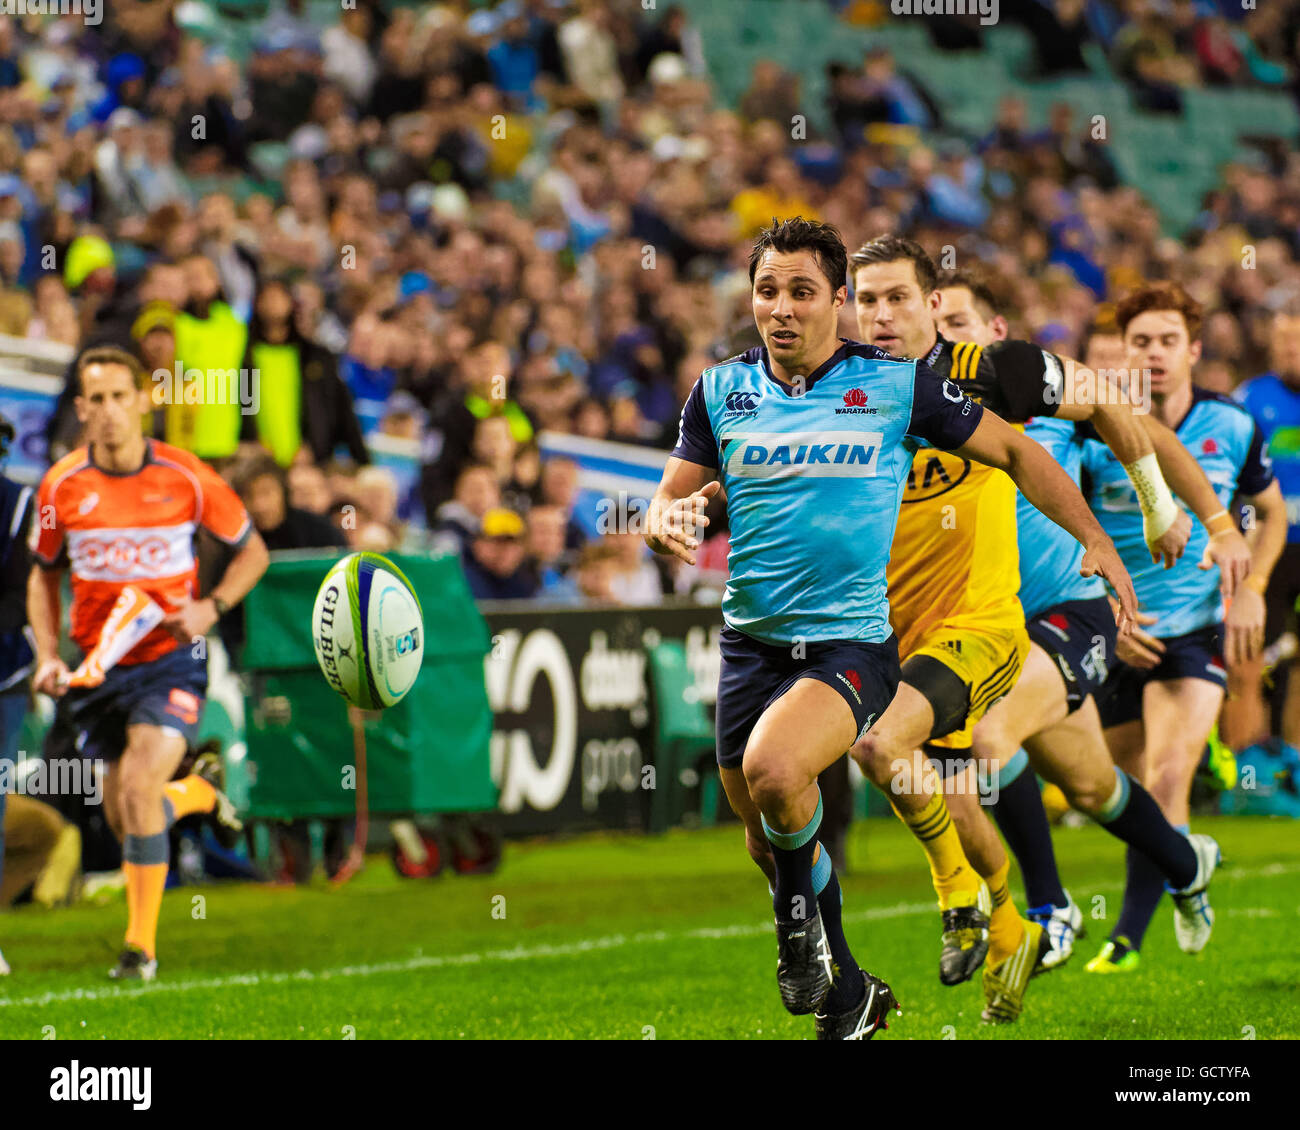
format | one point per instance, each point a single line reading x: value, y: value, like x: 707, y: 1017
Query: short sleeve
x: 1257, y: 471
x: 223, y: 514
x: 942, y: 414
x: 1023, y: 380
x: 46, y: 539
x: 696, y: 442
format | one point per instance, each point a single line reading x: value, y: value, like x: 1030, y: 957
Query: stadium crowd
x: 462, y: 225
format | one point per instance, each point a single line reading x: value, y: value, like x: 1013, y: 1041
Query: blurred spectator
x: 559, y: 487
x: 155, y: 335
x: 308, y: 488
x: 301, y: 397
x: 638, y: 579
x: 1147, y: 56
x: 211, y: 339
x: 773, y: 94
x: 597, y: 568
x: 549, y: 558
x: 496, y: 567
x: 458, y: 521
x: 348, y: 60
x: 262, y: 486
x: 376, y: 493
x: 236, y: 264
x: 590, y: 51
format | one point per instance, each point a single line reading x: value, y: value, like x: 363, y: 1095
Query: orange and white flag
x: 132, y: 618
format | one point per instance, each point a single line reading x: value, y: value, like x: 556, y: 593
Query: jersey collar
x: 813, y: 377
x: 148, y: 458
x: 940, y: 344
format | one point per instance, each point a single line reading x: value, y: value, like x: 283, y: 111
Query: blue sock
x: 847, y: 986
x: 1133, y: 815
x: 795, y: 899
x: 1023, y: 823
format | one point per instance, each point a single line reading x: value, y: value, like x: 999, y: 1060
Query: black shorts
x: 1079, y: 636
x: 1196, y: 655
x: 755, y: 674
x: 168, y: 691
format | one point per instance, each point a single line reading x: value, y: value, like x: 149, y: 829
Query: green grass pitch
x: 628, y: 937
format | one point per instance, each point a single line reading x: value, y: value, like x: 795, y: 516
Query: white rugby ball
x: 368, y: 631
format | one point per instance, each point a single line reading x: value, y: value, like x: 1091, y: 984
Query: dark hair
x: 1102, y: 325
x: 111, y: 355
x: 256, y: 467
x: 1160, y: 296
x: 892, y: 248
x: 979, y: 289
x: 798, y: 234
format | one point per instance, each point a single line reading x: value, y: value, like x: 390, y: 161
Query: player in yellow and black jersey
x: 952, y: 582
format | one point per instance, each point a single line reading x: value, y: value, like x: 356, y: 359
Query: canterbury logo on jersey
x: 828, y: 454
x: 131, y: 554
x: 741, y: 402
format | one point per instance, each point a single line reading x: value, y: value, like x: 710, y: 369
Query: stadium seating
x: 1173, y: 160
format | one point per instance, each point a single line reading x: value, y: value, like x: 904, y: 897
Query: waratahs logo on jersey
x: 855, y: 404
x: 837, y: 455
x: 740, y: 403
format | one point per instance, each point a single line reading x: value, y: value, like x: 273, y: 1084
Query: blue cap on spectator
x: 9, y: 185
x: 412, y: 284
x: 123, y: 68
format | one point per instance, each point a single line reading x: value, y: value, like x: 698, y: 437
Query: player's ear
x: 1194, y: 351
x: 1001, y: 331
x: 840, y: 297
x: 79, y: 403
x: 933, y: 300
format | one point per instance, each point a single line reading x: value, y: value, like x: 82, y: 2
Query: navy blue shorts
x: 168, y: 691
x: 1079, y: 635
x: 1197, y: 655
x: 755, y: 674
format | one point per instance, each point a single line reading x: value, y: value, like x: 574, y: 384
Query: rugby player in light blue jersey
x: 813, y: 437
x: 1050, y: 711
x: 1159, y: 703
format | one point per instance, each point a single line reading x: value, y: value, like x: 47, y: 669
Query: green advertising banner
x: 429, y: 753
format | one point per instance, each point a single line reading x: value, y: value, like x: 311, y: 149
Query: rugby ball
x: 368, y: 631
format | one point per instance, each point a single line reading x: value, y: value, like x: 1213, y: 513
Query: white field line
x: 530, y: 953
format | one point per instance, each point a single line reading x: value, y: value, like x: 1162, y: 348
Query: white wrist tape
x: 1159, y: 510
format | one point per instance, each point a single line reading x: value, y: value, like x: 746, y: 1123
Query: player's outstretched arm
x: 1043, y: 481
x: 676, y: 518
x: 43, y: 614
x: 1094, y: 397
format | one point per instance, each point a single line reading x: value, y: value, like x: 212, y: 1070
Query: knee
x: 1090, y: 794
x: 874, y: 758
x: 772, y: 776
x: 991, y: 746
